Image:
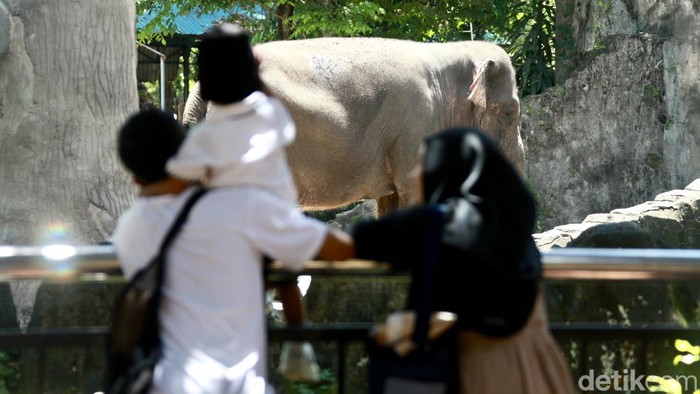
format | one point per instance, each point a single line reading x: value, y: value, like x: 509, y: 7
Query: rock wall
x: 625, y: 125
x: 672, y: 220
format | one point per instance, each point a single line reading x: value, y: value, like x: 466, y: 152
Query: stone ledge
x: 672, y: 219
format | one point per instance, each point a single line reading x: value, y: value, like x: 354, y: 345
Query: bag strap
x: 436, y: 219
x: 174, y: 230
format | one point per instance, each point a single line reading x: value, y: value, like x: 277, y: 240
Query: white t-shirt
x: 212, y: 315
x: 240, y: 144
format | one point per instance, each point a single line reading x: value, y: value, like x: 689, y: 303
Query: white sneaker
x: 298, y: 362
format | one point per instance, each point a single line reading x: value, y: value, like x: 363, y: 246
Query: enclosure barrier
x: 63, y: 262
x: 69, y: 262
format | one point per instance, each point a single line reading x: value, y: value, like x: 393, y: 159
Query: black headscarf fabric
x: 465, y: 169
x: 488, y: 265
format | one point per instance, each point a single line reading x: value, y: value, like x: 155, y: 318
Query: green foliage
x: 356, y: 18
x: 689, y: 355
x: 525, y: 27
x: 10, y: 377
x: 161, y: 26
x: 531, y: 35
x: 325, y: 385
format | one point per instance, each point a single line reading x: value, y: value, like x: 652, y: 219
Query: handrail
x: 621, y: 264
x: 68, y: 262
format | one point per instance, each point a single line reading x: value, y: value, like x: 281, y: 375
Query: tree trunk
x: 284, y: 26
x: 67, y: 83
x: 564, y: 41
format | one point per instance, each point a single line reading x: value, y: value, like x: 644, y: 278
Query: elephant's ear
x: 477, y: 90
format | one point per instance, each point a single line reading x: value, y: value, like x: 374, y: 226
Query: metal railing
x: 61, y: 262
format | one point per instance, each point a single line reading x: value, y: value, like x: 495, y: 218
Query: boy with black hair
x: 146, y: 142
x: 212, y: 314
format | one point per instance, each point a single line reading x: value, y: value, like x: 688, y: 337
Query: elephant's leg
x: 387, y: 203
x: 403, y: 157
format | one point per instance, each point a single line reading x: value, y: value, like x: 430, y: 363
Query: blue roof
x: 189, y: 24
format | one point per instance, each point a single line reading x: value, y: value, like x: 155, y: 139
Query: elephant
x: 362, y: 107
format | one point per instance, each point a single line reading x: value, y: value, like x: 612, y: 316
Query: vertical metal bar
x: 584, y: 356
x: 340, y: 379
x: 186, y: 72
x: 162, y: 82
x: 162, y: 73
x: 645, y: 361
x: 42, y: 361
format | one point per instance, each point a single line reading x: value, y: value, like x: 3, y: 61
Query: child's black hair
x: 228, y: 71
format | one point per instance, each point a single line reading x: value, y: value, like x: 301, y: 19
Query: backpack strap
x: 174, y: 230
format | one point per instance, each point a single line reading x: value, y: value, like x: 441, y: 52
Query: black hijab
x: 493, y: 212
x: 488, y: 264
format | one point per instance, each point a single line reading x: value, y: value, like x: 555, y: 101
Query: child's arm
x: 338, y: 245
x: 168, y: 185
x: 290, y: 296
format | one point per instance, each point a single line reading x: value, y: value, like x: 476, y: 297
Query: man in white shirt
x: 212, y: 315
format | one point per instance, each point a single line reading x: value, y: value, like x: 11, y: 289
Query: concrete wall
x: 625, y: 125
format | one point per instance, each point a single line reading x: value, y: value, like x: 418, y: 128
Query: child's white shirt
x: 240, y: 144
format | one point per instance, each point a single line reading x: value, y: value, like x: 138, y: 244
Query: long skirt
x: 528, y: 362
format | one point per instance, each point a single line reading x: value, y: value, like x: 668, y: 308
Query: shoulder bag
x: 134, y: 345
x: 429, y: 365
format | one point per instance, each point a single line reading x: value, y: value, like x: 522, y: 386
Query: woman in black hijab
x: 488, y: 269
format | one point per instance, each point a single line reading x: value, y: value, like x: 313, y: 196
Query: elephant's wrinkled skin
x: 363, y: 105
